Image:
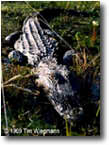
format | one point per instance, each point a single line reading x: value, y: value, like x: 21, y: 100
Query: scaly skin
x: 34, y: 42
x: 38, y: 46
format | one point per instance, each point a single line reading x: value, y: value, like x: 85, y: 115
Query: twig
x: 63, y: 40
x: 94, y: 59
x: 17, y: 77
x: 12, y: 79
x: 47, y: 24
x: 6, y: 131
x: 30, y: 6
x: 22, y: 89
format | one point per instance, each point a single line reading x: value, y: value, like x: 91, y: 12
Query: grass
x: 25, y: 110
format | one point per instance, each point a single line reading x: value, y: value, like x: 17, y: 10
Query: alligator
x: 37, y: 45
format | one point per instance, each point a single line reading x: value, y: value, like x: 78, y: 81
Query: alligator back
x: 35, y: 42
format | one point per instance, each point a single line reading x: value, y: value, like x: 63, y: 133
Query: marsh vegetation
x: 81, y: 29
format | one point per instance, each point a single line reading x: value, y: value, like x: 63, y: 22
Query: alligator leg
x: 11, y: 39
